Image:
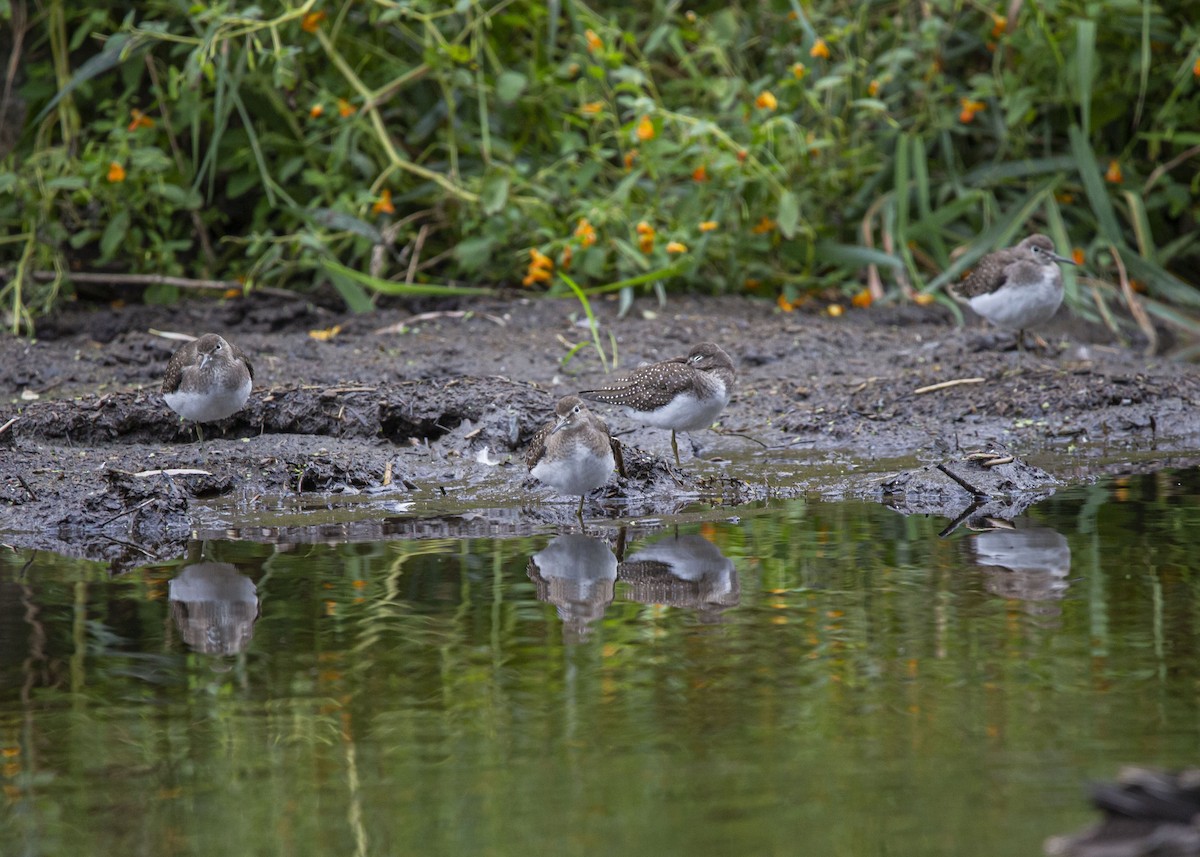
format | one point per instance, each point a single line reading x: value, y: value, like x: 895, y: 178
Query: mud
x: 432, y: 405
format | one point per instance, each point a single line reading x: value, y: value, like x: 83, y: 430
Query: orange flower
x: 741, y: 155
x: 140, y: 120
x: 383, y: 205
x: 592, y: 108
x: 763, y: 226
x: 708, y: 225
x: 1196, y: 68
x: 752, y: 283
x: 646, y: 235
x: 784, y: 304
x: 1065, y: 197
x: 628, y: 159
x: 700, y: 174
x: 1113, y: 174
x: 345, y: 108
x: 1077, y: 255
x: 873, y: 88
x: 540, y: 266
x: 835, y: 310
x: 820, y: 50
x: 923, y: 299
x: 1137, y: 286
x: 116, y: 172
x: 766, y: 100
x: 999, y: 23
x: 564, y: 261
x: 645, y: 129
x: 862, y: 300
x: 799, y: 70
x: 312, y: 22
x: 969, y: 109
x: 316, y: 111
x: 585, y: 232
x: 594, y: 42
x: 676, y: 247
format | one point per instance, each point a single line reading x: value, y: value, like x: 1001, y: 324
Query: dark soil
x: 434, y: 406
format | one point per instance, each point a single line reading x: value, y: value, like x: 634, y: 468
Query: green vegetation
x: 852, y: 149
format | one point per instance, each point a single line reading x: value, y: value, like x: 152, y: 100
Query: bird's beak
x: 562, y: 424
x: 1062, y: 259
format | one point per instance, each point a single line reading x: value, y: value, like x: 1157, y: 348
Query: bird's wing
x: 987, y: 276
x: 648, y: 388
x: 241, y: 355
x: 537, y: 446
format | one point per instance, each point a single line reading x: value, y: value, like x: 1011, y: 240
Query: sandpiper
x: 1017, y: 287
x: 680, y: 394
x: 573, y: 454
x: 207, y: 379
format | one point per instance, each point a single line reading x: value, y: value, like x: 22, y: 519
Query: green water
x: 805, y: 678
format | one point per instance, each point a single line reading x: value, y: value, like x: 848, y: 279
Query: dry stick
x: 8, y: 425
x: 1135, y: 306
x: 947, y: 384
x: 136, y: 508
x: 964, y: 483
x: 874, y: 281
x: 1162, y: 169
x: 25, y: 485
x: 416, y: 255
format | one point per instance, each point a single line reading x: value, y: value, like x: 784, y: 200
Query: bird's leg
x: 675, y: 448
x: 199, y: 433
x: 579, y: 512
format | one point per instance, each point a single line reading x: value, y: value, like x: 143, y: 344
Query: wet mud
x: 432, y: 403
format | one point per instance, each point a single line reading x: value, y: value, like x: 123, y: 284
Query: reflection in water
x: 1025, y: 561
x: 215, y: 607
x: 683, y: 571
x: 576, y: 574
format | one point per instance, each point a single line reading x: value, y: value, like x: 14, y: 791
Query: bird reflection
x: 576, y: 574
x: 1025, y: 561
x: 215, y: 607
x: 683, y: 571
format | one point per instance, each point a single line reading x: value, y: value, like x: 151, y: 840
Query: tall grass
x: 864, y: 150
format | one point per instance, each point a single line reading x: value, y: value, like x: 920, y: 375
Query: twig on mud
x: 996, y: 462
x: 8, y: 425
x: 944, y: 385
x: 731, y: 433
x: 127, y: 544
x: 136, y: 508
x: 28, y: 490
x: 176, y: 471
x: 1135, y: 307
x: 964, y: 483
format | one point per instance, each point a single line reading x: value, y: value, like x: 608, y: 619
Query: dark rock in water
x: 988, y: 482
x: 1146, y: 812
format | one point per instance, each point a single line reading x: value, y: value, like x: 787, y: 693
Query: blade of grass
x: 671, y: 270
x: 1085, y: 63
x: 587, y: 309
x: 387, y: 287
x: 1093, y: 185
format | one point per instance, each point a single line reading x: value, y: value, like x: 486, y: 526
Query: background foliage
x: 873, y: 149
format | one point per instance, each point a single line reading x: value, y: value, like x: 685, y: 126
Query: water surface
x: 793, y: 678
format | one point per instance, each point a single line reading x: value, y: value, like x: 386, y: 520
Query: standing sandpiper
x: 680, y: 394
x: 573, y: 454
x: 1017, y: 287
x: 207, y: 379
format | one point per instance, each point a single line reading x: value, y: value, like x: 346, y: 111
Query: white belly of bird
x: 1019, y: 307
x: 207, y: 408
x: 578, y: 473
x: 687, y: 413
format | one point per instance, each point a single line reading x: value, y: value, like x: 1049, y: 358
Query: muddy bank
x: 417, y: 404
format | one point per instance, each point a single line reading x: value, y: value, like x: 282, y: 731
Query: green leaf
x: 116, y: 50
x: 1085, y: 62
x: 474, y: 253
x: 182, y: 197
x: 509, y: 85
x: 340, y: 221
x: 788, y: 217
x: 494, y: 195
x: 114, y: 233
x: 356, y: 298
x: 67, y: 183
